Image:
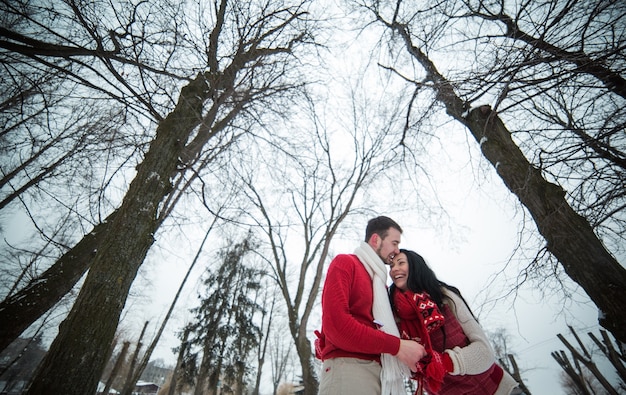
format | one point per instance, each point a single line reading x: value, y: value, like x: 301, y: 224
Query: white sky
x: 485, y: 220
x: 466, y: 253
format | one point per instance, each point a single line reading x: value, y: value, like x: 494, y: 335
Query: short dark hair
x: 380, y: 225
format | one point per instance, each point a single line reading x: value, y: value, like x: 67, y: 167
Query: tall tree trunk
x: 179, y: 362
x: 129, y: 383
x: 77, y: 356
x: 569, y: 236
x: 22, y: 309
x: 116, y: 368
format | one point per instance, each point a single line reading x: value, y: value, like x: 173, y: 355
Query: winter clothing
x: 465, y: 352
x: 394, y: 371
x: 419, y: 316
x: 355, y: 323
x: 350, y: 376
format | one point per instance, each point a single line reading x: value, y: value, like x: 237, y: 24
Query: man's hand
x: 410, y: 353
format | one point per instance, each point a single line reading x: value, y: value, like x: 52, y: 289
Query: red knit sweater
x: 348, y: 328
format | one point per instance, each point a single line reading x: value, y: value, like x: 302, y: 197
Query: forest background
x: 149, y: 141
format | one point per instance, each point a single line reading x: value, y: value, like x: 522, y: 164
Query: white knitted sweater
x: 478, y: 356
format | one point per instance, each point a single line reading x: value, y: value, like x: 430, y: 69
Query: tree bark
x: 88, y: 330
x: 116, y: 368
x: 569, y: 236
x: 22, y: 309
x: 181, y: 354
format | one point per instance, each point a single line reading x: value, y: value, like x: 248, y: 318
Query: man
x: 359, y: 343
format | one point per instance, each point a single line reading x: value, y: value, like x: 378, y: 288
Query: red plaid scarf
x: 419, y: 315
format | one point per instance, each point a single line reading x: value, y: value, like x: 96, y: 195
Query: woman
x: 459, y: 357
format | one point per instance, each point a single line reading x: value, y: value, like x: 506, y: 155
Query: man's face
x: 388, y: 247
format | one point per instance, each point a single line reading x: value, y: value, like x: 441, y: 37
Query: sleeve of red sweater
x: 347, y: 320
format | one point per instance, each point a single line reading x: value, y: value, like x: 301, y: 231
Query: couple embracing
x: 372, y: 338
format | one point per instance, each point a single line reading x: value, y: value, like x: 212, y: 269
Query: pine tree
x: 223, y: 331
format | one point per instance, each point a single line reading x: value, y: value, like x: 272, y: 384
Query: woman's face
x: 399, y: 271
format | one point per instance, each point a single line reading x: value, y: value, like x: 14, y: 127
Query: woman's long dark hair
x: 422, y: 278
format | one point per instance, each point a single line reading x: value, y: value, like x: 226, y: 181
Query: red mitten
x: 447, y: 362
x: 435, y: 371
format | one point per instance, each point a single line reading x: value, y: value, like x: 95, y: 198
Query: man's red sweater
x: 348, y: 328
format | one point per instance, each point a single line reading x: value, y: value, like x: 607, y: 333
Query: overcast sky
x: 468, y: 252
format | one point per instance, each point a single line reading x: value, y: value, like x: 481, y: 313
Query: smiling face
x: 389, y: 246
x: 399, y: 271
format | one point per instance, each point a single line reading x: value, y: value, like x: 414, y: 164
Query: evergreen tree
x: 223, y: 331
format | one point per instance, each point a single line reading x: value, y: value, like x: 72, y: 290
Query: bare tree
x: 243, y: 64
x: 322, y: 182
x: 506, y: 358
x: 570, y: 234
x: 589, y: 378
x: 269, y: 307
x: 280, y: 356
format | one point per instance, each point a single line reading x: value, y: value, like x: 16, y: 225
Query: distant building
x: 145, y: 388
x: 156, y: 372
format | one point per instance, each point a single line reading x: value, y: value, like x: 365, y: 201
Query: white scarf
x: 393, y: 370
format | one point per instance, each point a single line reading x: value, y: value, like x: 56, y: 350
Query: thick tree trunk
x: 22, y: 309
x: 78, y: 354
x: 309, y: 378
x: 569, y: 236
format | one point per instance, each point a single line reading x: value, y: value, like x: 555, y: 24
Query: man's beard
x: 379, y: 253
